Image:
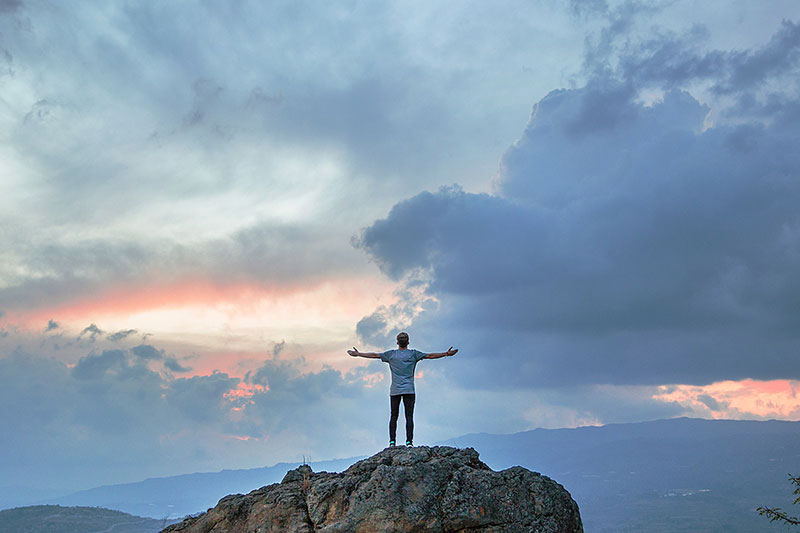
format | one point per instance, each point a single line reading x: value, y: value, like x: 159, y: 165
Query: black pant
x: 408, y: 405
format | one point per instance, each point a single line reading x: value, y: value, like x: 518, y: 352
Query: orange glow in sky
x: 739, y: 399
x: 230, y: 319
x: 125, y: 303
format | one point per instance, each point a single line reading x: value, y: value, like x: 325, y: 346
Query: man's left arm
x: 437, y: 355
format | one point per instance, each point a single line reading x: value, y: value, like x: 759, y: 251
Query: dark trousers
x: 408, y: 405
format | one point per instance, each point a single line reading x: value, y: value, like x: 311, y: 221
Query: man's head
x: 402, y: 339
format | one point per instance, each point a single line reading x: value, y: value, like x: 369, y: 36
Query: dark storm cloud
x: 762, y: 81
x: 673, y: 60
x: 628, y: 244
x: 779, y: 58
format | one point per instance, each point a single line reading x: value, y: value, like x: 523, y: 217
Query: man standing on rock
x: 402, y: 362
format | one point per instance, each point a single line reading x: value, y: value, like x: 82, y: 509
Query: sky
x: 203, y: 205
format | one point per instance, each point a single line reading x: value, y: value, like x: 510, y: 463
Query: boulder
x: 399, y: 489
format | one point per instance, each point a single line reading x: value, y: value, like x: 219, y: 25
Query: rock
x: 399, y: 489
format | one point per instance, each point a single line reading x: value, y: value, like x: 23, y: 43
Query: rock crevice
x: 437, y: 489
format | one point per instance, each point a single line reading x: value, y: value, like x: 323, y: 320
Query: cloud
x: 146, y: 351
x: 583, y: 9
x: 748, y: 399
x: 92, y: 330
x: 278, y: 348
x: 171, y: 363
x: 9, y: 6
x: 711, y: 402
x: 60, y: 274
x: 88, y: 424
x: 624, y: 242
x: 51, y: 325
x: 627, y: 243
x: 761, y: 81
x: 381, y: 327
x: 119, y: 335
x: 96, y: 366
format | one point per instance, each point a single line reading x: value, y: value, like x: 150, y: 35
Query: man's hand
x: 354, y: 352
x: 451, y: 351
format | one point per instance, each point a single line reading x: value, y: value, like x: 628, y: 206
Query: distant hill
x: 57, y: 519
x: 668, y: 475
x: 178, y: 496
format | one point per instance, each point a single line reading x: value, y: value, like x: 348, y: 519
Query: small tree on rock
x: 776, y: 514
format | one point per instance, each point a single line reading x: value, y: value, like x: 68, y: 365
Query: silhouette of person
x: 402, y: 363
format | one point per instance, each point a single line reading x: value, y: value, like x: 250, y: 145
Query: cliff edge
x: 397, y: 490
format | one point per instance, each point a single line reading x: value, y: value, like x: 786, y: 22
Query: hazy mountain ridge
x: 58, y: 519
x: 668, y: 475
x: 178, y: 496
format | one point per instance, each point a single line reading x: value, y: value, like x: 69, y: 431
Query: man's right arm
x: 369, y: 355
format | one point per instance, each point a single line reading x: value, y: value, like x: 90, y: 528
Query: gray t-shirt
x: 402, y: 363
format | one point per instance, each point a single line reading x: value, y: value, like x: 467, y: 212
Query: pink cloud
x: 747, y: 398
x: 131, y: 299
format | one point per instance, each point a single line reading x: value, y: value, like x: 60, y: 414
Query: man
x: 402, y: 362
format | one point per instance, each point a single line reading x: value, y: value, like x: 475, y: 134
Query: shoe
x: 392, y: 444
x: 409, y: 444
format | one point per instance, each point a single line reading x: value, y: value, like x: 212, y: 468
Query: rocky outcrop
x: 399, y: 489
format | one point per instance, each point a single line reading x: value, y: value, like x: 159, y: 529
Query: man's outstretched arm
x: 369, y: 355
x: 449, y: 352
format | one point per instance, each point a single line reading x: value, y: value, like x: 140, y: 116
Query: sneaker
x: 409, y: 444
x: 392, y: 444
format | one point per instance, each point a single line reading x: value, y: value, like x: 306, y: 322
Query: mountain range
x: 666, y: 475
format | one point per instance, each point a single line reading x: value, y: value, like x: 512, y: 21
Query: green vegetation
x: 776, y: 514
x: 58, y: 519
